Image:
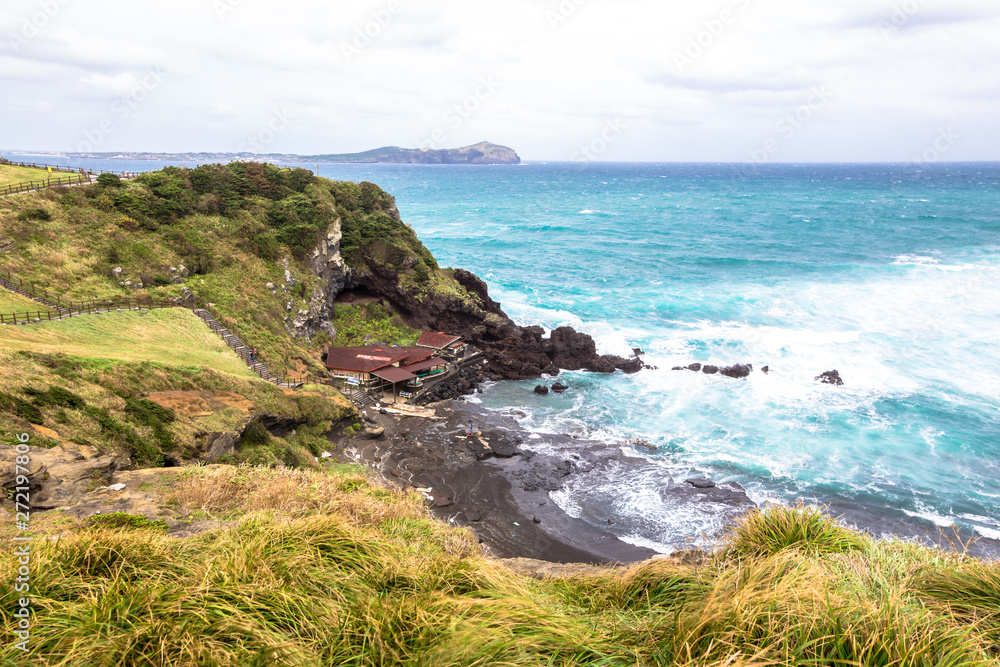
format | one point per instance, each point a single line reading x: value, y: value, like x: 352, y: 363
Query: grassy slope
x: 112, y: 360
x: 10, y: 175
x: 172, y: 336
x: 321, y: 569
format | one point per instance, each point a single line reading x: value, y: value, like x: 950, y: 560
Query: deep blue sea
x: 889, y: 274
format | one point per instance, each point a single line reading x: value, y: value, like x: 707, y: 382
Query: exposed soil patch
x: 200, y: 403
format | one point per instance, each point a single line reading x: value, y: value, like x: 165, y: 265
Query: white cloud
x: 561, y: 79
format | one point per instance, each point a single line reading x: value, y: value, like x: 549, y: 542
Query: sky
x: 629, y: 80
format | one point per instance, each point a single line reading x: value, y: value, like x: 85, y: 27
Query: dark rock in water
x: 694, y: 367
x: 709, y: 370
x: 536, y: 519
x: 569, y: 349
x: 473, y: 516
x: 728, y: 494
x: 737, y: 371
x: 678, y: 368
x: 604, y: 364
x: 831, y: 377
x: 541, y: 390
x: 637, y: 352
x: 629, y: 366
x: 559, y: 387
x: 765, y: 370
x: 734, y: 486
x: 442, y: 501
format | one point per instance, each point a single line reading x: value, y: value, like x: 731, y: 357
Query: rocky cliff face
x: 465, y: 309
x: 329, y: 266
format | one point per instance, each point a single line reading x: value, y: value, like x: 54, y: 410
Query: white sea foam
x: 935, y: 518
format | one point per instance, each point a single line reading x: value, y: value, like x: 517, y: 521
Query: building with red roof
x: 384, y: 367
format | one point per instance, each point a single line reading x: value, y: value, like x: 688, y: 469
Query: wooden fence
x: 43, y: 184
x: 73, y: 308
x: 15, y: 284
x: 35, y: 165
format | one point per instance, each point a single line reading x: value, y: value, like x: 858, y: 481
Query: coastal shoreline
x: 495, y: 485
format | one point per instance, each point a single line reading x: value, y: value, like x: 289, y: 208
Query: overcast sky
x: 661, y: 80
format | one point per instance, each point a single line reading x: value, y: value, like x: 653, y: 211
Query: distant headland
x: 482, y: 153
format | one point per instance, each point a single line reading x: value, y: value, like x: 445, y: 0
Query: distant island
x: 482, y: 153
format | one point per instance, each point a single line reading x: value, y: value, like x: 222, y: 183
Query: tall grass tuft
x: 765, y: 533
x: 971, y: 592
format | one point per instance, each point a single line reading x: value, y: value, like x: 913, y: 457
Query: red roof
x: 424, y: 365
x: 394, y: 375
x: 363, y: 359
x: 437, y: 341
x: 414, y: 354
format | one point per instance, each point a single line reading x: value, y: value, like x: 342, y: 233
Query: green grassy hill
x: 233, y: 229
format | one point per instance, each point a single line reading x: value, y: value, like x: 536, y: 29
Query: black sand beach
x: 495, y: 485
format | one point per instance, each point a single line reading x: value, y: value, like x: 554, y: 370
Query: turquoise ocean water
x: 888, y: 273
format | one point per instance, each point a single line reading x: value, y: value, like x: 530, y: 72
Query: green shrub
x: 255, y: 435
x: 21, y: 408
x: 109, y: 181
x: 143, y: 452
x: 66, y: 398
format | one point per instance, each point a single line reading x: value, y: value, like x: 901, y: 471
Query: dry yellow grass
x: 223, y: 491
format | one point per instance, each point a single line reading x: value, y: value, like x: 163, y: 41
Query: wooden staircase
x: 233, y: 341
x: 361, y: 399
x: 16, y: 285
